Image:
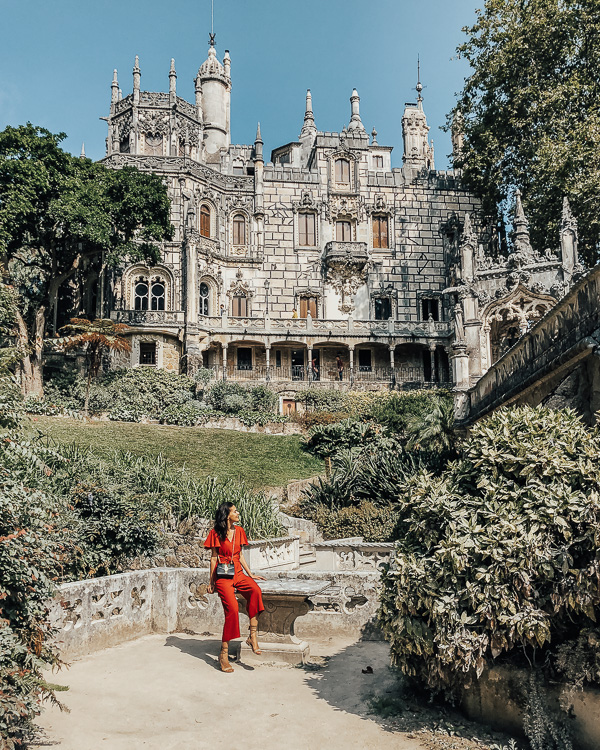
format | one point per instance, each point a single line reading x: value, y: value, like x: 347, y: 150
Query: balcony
x: 342, y: 255
x: 150, y: 318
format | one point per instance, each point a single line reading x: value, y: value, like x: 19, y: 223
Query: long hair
x: 221, y: 517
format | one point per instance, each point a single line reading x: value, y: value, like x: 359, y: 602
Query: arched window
x: 204, y: 298
x: 154, y: 144
x: 343, y: 231
x: 342, y: 171
x: 205, y: 220
x: 157, y: 295
x: 306, y: 230
x: 239, y: 230
x: 380, y: 232
x: 239, y: 305
x: 141, y: 294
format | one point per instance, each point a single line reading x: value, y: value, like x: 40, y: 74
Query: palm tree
x: 96, y: 337
x: 433, y: 431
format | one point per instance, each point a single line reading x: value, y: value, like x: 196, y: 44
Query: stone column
x: 268, y: 362
x: 224, y: 360
x: 309, y: 364
x: 392, y: 349
x: 432, y: 359
x: 351, y: 355
x: 191, y: 269
x: 460, y: 366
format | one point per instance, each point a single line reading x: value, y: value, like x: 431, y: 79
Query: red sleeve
x: 243, y: 537
x: 212, y: 540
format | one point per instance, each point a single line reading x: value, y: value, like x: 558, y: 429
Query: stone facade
x: 278, y: 269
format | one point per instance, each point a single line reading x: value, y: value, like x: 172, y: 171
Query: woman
x: 226, y: 541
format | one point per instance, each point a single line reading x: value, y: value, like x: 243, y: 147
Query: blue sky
x: 56, y: 62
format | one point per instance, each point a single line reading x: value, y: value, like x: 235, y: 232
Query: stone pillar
x: 191, y: 271
x: 268, y: 362
x: 309, y: 365
x: 224, y: 360
x: 432, y: 360
x: 392, y: 349
x: 351, y: 355
x: 460, y: 366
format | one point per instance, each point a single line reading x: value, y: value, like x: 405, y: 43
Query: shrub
x: 375, y: 523
x: 316, y: 418
x: 188, y: 414
x: 327, y: 440
x: 221, y: 390
x: 499, y: 554
x: 235, y: 402
x: 262, y: 399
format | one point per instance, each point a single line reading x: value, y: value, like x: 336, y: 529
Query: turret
x: 214, y: 83
x: 355, y: 125
x: 417, y: 151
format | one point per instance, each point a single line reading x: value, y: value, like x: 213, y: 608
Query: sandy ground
x: 166, y: 693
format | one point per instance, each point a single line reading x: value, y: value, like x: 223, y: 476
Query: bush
x: 499, y: 555
x: 223, y: 389
x: 316, y: 418
x: 375, y: 523
x: 263, y: 399
x: 187, y: 414
x: 327, y: 440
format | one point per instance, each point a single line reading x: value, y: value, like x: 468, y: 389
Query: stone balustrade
x: 352, y: 554
x: 100, y: 612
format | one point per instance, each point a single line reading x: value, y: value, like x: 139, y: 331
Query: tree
x: 59, y: 213
x: 433, y: 430
x: 97, y: 338
x: 530, y: 114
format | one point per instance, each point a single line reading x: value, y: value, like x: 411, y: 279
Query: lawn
x: 259, y: 460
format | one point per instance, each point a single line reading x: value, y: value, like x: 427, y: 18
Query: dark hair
x: 221, y: 517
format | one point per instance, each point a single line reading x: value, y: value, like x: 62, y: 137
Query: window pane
x: 205, y: 221
x: 240, y: 306
x: 342, y: 171
x: 158, y: 296
x: 383, y: 308
x: 244, y: 359
x: 343, y: 231
x: 364, y: 360
x: 306, y: 230
x: 141, y: 296
x: 147, y: 353
x: 239, y: 230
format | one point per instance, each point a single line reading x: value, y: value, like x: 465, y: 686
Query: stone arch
x: 506, y: 319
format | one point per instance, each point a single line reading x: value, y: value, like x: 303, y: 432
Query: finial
x: 521, y: 241
x: 172, y: 70
x: 355, y: 121
x: 568, y: 221
x: 468, y: 227
x: 82, y: 154
x: 419, y: 86
x: 114, y: 88
x: 258, y: 138
x: 172, y: 78
x: 136, y: 66
x: 227, y: 64
x: 309, y: 127
x: 211, y: 39
x: 258, y: 145
x: 374, y: 136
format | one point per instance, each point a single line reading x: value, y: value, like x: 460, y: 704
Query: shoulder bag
x: 227, y: 570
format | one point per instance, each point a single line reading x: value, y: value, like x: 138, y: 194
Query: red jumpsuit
x: 247, y: 586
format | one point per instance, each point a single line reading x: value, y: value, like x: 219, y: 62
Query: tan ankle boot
x: 224, y: 658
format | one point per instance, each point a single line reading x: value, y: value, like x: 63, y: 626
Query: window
x: 238, y: 169
x: 278, y: 358
x: 141, y: 294
x: 124, y: 146
x: 342, y: 171
x: 380, y: 232
x: 205, y: 220
x: 343, y: 231
x: 157, y: 298
x: 306, y: 230
x: 244, y: 359
x: 147, y: 353
x: 364, y: 360
x: 308, y: 305
x: 383, y: 308
x: 239, y: 306
x: 285, y: 158
x: 378, y: 162
x: 154, y: 144
x: 239, y: 230
x: 204, y: 298
x: 430, y: 307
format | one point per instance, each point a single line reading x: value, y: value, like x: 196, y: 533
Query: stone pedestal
x: 285, y: 600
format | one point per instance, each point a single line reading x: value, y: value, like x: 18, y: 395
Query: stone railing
x: 273, y: 554
x: 149, y: 317
x: 101, y: 612
x: 352, y: 554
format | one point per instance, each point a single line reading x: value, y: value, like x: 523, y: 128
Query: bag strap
x: 233, y: 545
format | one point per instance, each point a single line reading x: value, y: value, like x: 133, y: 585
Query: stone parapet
x: 352, y: 554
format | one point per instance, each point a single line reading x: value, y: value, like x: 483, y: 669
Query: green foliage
x: 316, y: 418
x: 530, y: 113
x: 375, y: 523
x: 322, y: 400
x: 57, y: 212
x: 433, y: 430
x: 224, y: 393
x: 328, y: 440
x: 498, y: 554
x: 262, y: 399
x: 189, y: 413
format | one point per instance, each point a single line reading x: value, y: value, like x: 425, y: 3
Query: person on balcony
x: 340, y: 367
x: 294, y: 313
x: 315, y: 370
x: 229, y: 572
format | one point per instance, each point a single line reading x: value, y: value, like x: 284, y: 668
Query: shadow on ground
x: 359, y: 680
x: 207, y: 650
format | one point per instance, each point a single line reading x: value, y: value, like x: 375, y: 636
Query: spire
x: 355, y: 121
x: 114, y: 88
x: 522, y: 241
x: 419, y: 86
x: 82, y: 154
x: 374, y: 137
x: 227, y: 64
x: 309, y: 128
x: 258, y: 145
x: 568, y: 221
x: 172, y: 78
x: 468, y: 227
x: 136, y: 80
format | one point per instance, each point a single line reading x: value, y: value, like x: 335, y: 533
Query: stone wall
x: 353, y: 554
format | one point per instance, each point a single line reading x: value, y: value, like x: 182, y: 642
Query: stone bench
x: 285, y: 600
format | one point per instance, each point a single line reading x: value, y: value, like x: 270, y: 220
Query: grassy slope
x: 260, y: 460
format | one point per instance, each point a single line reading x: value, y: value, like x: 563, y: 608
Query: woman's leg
x: 251, y: 592
x: 224, y: 657
x: 226, y: 592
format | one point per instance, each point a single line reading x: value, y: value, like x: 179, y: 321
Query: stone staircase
x: 308, y: 556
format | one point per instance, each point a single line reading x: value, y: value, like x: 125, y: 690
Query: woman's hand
x: 258, y: 578
x: 211, y: 588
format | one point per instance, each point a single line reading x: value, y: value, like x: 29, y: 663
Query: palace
x: 324, y: 263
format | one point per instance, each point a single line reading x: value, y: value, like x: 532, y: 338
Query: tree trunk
x: 30, y: 367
